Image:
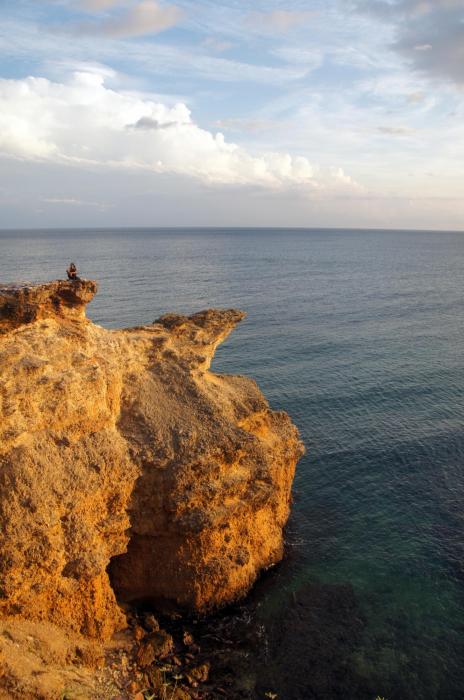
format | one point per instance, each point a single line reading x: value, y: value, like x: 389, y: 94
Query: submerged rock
x: 128, y: 470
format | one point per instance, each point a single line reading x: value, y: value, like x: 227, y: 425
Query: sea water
x: 358, y: 335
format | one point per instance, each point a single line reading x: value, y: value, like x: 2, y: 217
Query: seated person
x: 72, y: 272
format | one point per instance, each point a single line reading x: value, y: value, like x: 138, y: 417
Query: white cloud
x: 249, y: 125
x: 83, y: 123
x: 73, y: 202
x: 147, y: 17
x: 140, y: 58
x: 151, y: 123
x: 395, y: 130
x: 280, y: 20
x: 98, y: 4
x: 215, y: 44
x: 310, y: 58
x: 415, y: 97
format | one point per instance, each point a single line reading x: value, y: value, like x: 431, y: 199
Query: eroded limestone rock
x: 22, y: 304
x: 121, y: 452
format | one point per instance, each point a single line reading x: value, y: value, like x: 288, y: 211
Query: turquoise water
x: 359, y: 336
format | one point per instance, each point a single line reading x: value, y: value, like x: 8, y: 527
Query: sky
x: 315, y: 113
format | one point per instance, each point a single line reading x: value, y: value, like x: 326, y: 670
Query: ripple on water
x: 358, y: 335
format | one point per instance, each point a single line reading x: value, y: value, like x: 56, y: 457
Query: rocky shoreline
x: 131, y: 478
x: 303, y: 647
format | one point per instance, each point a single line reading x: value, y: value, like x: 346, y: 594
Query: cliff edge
x: 129, y: 472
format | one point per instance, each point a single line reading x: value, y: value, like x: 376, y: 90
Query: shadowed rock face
x: 127, y: 467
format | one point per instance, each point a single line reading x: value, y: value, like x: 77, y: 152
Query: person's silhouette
x: 72, y: 272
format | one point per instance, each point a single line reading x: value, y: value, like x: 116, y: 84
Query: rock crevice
x: 128, y: 467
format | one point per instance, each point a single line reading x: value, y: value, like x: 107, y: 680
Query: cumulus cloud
x: 150, y: 123
x: 82, y: 123
x: 147, y: 17
x: 279, y: 20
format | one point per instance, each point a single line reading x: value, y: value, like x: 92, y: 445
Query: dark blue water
x: 359, y: 336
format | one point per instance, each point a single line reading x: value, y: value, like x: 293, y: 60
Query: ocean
x: 358, y: 335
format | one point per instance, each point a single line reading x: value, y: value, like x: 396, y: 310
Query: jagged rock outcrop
x: 21, y: 304
x: 129, y: 470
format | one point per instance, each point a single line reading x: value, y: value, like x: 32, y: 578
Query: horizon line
x: 230, y: 228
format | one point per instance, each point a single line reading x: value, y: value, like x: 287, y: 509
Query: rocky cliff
x: 128, y: 470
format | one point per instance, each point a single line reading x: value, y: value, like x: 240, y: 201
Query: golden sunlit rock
x: 128, y: 470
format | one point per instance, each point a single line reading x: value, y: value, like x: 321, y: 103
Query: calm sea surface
x: 360, y: 337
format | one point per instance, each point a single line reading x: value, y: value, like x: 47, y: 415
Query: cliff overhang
x: 25, y: 303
